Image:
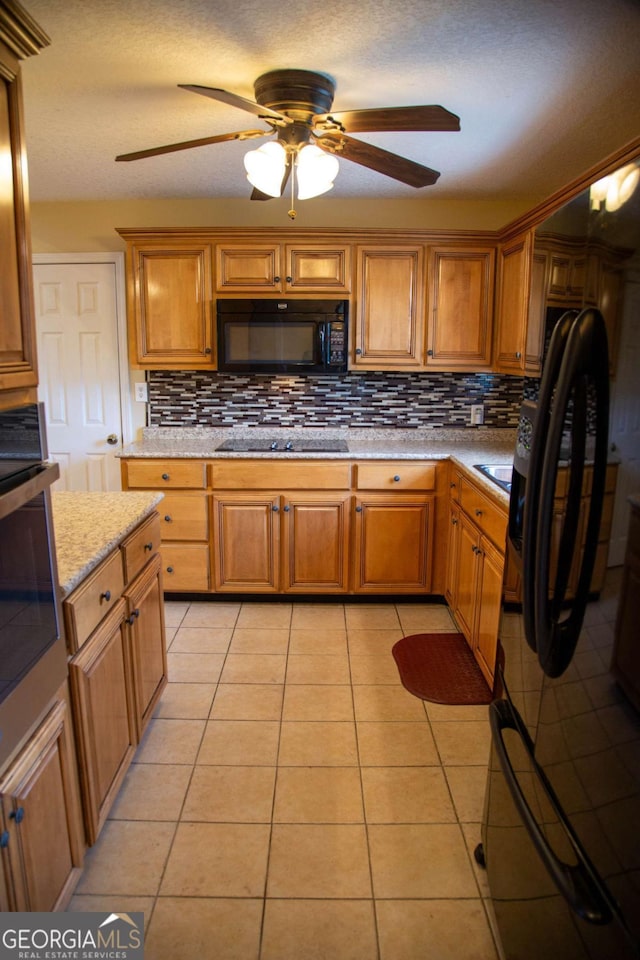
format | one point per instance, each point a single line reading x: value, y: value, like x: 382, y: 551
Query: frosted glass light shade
x: 265, y: 167
x: 316, y: 171
x: 615, y: 189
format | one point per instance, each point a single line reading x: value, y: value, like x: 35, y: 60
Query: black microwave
x: 283, y: 336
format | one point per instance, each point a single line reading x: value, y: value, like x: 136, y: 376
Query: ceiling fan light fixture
x: 266, y: 167
x: 316, y: 171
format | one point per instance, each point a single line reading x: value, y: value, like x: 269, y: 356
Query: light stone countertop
x: 464, y: 447
x: 88, y: 526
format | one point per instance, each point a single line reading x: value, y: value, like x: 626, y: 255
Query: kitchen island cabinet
x: 114, y: 618
x: 41, y: 833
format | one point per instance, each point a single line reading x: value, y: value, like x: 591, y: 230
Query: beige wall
x: 91, y: 226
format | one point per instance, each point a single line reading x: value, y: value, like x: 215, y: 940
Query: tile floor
x: 291, y: 801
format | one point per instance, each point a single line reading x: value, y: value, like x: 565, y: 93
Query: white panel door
x: 625, y: 419
x: 77, y: 326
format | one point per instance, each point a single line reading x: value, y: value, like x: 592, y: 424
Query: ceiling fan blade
x: 259, y: 195
x: 187, y: 144
x: 236, y: 101
x: 375, y: 158
x: 380, y: 119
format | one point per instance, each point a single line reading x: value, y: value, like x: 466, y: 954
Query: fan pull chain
x: 292, y: 213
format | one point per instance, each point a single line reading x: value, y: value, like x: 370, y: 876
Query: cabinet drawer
x: 398, y: 475
x: 185, y: 566
x: 94, y: 598
x: 140, y: 546
x: 183, y: 516
x: 268, y: 475
x: 159, y: 474
x: 486, y: 515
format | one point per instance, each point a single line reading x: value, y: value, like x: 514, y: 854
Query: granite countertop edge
x: 89, y: 525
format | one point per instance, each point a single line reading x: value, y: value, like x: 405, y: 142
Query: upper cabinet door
x: 512, y: 303
x: 249, y: 267
x: 389, y: 314
x: 171, y: 323
x: 20, y: 37
x: 460, y: 307
x: 323, y: 268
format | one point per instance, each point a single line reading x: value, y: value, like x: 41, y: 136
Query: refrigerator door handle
x: 579, y: 884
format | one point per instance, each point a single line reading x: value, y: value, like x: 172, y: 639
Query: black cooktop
x: 295, y: 445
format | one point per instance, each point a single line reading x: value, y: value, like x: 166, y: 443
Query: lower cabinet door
x: 466, y: 591
x: 145, y: 616
x: 485, y: 641
x: 246, y: 533
x: 103, y: 704
x: 43, y: 840
x: 393, y: 543
x: 316, y: 543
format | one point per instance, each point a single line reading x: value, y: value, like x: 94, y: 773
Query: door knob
x: 112, y: 439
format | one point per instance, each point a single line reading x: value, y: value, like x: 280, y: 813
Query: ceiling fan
x: 296, y: 105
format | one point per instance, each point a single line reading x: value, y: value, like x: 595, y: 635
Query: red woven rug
x: 440, y: 667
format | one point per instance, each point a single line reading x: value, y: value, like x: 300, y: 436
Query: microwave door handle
x: 323, y: 331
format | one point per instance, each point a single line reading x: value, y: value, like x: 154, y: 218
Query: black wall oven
x: 33, y: 661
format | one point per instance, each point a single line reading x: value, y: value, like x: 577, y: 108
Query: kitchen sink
x: 500, y: 473
x: 296, y: 445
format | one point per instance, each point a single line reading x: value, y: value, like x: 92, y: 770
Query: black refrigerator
x: 561, y: 828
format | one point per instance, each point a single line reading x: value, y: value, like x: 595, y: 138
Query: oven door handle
x: 579, y: 884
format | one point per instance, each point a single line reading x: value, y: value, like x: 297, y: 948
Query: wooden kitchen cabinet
x: 394, y: 511
x: 460, y: 307
x: 512, y: 303
x: 475, y: 569
x: 283, y: 268
x: 388, y: 326
x: 281, y: 526
x: 184, y: 518
x: 20, y: 37
x: 170, y: 306
x: 41, y: 833
x: 115, y: 619
x: 104, y: 716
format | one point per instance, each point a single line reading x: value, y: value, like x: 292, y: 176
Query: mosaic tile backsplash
x: 402, y: 400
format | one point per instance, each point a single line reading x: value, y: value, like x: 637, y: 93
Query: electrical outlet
x: 142, y: 393
x: 477, y: 414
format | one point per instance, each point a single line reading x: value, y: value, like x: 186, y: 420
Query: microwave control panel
x: 337, y: 343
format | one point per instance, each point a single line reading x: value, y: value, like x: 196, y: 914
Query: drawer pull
x: 168, y: 518
x: 106, y: 595
x: 169, y: 569
x: 165, y: 476
x: 4, y: 838
x: 454, y: 521
x: 478, y: 513
x: 134, y: 616
x: 452, y: 484
x: 148, y: 546
x: 17, y: 815
x: 397, y: 477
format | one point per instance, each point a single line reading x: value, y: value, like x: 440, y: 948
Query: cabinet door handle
x: 454, y: 521
x: 286, y: 509
x: 106, y: 595
x: 452, y: 484
x: 276, y: 279
x: 4, y: 838
x: 518, y: 355
x: 165, y: 476
x: 478, y: 513
x: 429, y: 353
x: 17, y: 815
x: 358, y: 351
x: 289, y: 279
x: 275, y: 508
x: 207, y: 350
x: 358, y: 509
x: 169, y: 569
x: 148, y: 546
x: 168, y: 518
x: 397, y: 477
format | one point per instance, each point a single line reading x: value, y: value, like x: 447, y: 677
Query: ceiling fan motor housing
x: 301, y: 94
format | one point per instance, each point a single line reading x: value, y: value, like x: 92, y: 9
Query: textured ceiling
x: 544, y: 89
